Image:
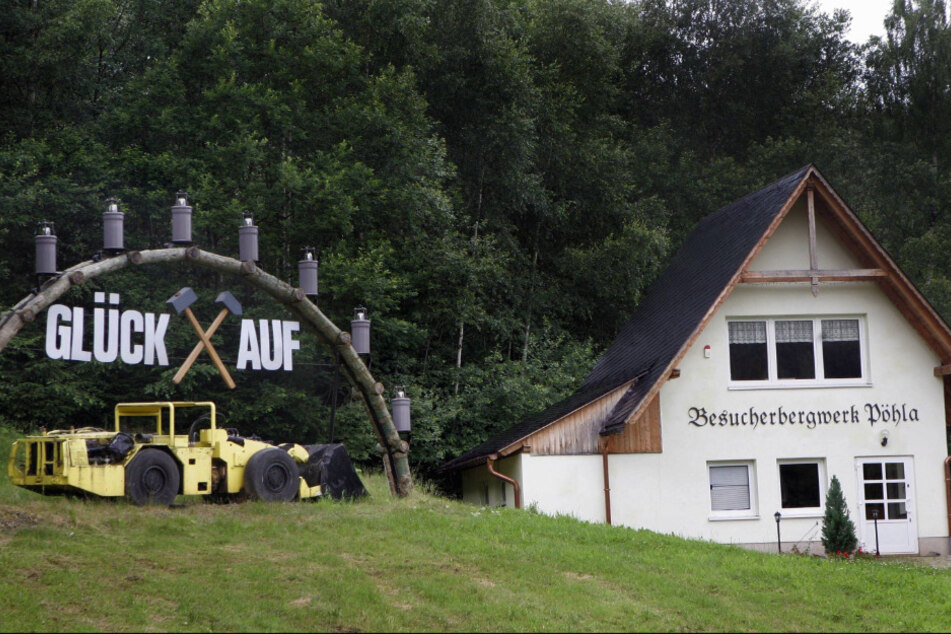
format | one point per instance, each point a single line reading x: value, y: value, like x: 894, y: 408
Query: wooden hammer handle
x: 211, y: 349
x: 193, y: 356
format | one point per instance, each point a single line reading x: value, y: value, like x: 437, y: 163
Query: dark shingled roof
x: 672, y: 309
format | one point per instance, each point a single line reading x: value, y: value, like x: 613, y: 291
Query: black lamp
x: 779, y: 543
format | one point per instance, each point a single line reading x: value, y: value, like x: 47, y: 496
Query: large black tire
x: 271, y: 475
x: 152, y: 478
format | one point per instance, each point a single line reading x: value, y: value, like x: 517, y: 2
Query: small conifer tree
x: 838, y: 530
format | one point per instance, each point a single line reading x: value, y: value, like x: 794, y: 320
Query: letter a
x: 248, y: 349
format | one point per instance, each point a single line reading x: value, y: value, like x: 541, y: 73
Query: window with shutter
x: 730, y: 488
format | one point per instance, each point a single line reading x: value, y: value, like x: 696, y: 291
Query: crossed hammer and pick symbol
x: 181, y: 302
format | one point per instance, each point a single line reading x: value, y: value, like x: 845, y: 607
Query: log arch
x: 395, y: 459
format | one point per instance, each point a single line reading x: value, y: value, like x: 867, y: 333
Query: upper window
x: 797, y: 351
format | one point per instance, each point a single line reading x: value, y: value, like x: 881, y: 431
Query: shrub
x: 838, y: 530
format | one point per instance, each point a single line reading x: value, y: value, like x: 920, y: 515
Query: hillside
x: 418, y: 564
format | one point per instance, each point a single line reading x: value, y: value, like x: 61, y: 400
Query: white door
x: 887, y: 505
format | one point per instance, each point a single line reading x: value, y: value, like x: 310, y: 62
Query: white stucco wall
x: 567, y: 485
x: 788, y: 248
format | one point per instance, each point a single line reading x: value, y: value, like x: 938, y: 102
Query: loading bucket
x: 330, y: 467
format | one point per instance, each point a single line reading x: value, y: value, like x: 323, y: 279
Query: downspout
x: 607, y: 481
x: 490, y: 463
x: 947, y: 489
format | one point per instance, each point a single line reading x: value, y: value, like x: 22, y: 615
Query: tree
x: 838, y: 530
x: 735, y: 72
x: 907, y: 176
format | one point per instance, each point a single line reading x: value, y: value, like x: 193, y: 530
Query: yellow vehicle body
x: 149, y: 460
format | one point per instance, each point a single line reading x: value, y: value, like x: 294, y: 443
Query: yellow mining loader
x: 149, y: 461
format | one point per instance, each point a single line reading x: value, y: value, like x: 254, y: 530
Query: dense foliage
x: 498, y: 181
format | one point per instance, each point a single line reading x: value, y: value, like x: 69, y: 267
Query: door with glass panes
x: 887, y: 504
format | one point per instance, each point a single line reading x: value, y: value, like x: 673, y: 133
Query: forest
x: 496, y: 181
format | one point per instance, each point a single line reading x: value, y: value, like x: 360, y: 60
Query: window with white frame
x: 731, y: 489
x: 802, y: 486
x: 797, y: 351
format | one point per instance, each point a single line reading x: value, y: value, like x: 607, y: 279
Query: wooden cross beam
x: 181, y: 302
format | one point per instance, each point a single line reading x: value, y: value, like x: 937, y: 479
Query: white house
x: 783, y: 346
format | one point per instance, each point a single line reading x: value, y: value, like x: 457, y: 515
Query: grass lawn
x: 418, y: 564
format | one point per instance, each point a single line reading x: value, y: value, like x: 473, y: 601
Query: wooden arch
x: 395, y: 450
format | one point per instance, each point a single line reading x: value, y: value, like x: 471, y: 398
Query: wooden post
x: 813, y: 256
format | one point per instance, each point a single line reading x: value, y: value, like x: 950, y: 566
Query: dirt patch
x: 301, y: 602
x: 935, y: 561
x: 12, y: 520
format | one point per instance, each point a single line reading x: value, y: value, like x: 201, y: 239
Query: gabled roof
x: 682, y: 299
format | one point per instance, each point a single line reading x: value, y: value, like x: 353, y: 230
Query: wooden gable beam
x: 814, y: 274
x: 813, y: 255
x: 943, y: 370
x: 810, y: 275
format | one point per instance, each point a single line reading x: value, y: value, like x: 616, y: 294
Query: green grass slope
x: 417, y: 564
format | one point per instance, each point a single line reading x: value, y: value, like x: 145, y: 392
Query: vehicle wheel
x: 152, y: 478
x: 271, y: 475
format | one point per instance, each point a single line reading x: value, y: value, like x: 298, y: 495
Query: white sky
x: 867, y: 16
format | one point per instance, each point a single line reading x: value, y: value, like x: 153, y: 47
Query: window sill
x: 731, y: 518
x: 811, y: 514
x: 795, y: 386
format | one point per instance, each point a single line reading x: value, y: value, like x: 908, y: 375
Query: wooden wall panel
x: 578, y: 432
x: 641, y: 435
